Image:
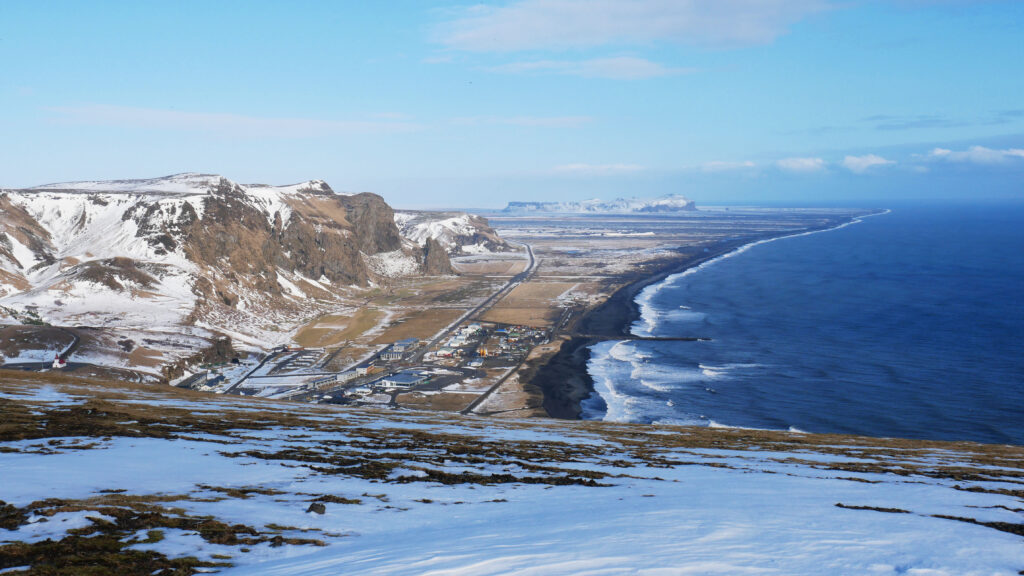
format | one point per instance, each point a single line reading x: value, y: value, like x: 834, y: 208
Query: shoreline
x: 564, y: 379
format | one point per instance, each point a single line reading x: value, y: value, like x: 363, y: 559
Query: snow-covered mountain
x: 457, y: 232
x: 192, y: 250
x: 664, y: 204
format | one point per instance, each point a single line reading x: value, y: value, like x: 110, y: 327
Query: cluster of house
x: 515, y: 340
x: 462, y: 338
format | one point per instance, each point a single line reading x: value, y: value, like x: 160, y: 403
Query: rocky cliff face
x: 373, y: 222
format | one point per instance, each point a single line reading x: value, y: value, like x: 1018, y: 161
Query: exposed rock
x: 373, y: 223
x: 435, y: 259
x: 115, y: 273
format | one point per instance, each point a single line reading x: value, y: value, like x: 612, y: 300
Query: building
x: 404, y: 379
x: 406, y: 344
x: 347, y: 376
x: 391, y: 355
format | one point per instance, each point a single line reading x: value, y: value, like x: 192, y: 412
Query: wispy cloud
x: 537, y: 121
x: 887, y: 122
x: 597, y: 169
x: 861, y: 164
x: 568, y: 24
x: 916, y: 122
x: 977, y: 155
x: 1007, y: 116
x: 801, y: 165
x: 233, y: 125
x: 619, y: 68
x: 726, y: 166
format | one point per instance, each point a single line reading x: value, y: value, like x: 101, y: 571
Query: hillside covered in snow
x: 194, y: 253
x: 458, y: 233
x: 663, y: 205
x: 129, y: 479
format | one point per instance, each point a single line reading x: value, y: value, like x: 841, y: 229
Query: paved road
x: 76, y: 340
x: 487, y: 393
x: 515, y: 281
x: 483, y: 307
x: 251, y: 372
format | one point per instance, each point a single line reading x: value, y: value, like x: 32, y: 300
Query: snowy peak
x: 665, y: 204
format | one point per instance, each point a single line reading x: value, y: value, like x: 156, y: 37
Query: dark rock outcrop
x: 373, y: 223
x: 435, y: 259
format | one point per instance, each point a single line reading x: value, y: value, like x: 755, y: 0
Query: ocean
x: 906, y: 324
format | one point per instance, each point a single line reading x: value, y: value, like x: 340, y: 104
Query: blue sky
x: 471, y: 105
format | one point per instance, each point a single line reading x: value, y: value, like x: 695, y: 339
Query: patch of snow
x: 55, y: 527
x: 392, y: 264
x: 289, y: 286
x: 44, y: 394
x: 24, y: 255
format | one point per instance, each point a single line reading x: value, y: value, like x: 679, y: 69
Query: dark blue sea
x: 907, y: 324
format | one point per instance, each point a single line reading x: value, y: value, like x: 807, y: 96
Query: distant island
x: 665, y: 204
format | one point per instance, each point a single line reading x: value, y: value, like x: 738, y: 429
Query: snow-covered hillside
x: 664, y: 204
x: 138, y: 480
x: 196, y: 251
x: 457, y: 232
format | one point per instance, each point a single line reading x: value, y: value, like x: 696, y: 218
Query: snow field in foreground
x: 678, y: 510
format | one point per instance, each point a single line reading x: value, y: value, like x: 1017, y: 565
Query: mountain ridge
x: 197, y: 252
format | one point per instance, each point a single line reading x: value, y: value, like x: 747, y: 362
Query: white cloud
x: 565, y: 24
x: 725, y: 166
x: 234, y: 125
x: 538, y: 121
x: 977, y: 155
x: 861, y: 164
x: 597, y: 169
x: 802, y: 165
x: 619, y: 68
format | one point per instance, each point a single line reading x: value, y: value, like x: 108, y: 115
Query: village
x: 469, y: 351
